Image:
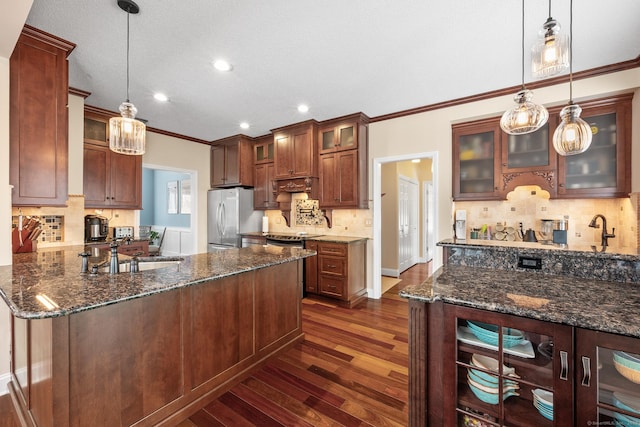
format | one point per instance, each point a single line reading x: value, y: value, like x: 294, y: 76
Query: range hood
x: 283, y: 188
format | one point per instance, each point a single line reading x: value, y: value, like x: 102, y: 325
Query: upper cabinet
x: 110, y: 180
x: 263, y: 158
x: 232, y: 162
x: 343, y: 148
x: 476, y: 160
x: 604, y: 170
x: 38, y: 92
x: 488, y: 163
x: 295, y: 151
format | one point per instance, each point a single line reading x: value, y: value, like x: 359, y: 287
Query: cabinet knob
x: 561, y: 185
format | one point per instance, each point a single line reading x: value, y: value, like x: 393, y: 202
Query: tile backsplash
x: 530, y: 204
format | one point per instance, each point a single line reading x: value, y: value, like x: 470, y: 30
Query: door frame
x: 428, y: 212
x: 375, y: 290
x: 193, y: 226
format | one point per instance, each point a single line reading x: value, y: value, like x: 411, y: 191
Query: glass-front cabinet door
x: 508, y: 371
x: 532, y: 151
x: 608, y: 379
x: 476, y: 165
x: 601, y: 171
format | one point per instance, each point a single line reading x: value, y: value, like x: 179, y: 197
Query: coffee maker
x: 96, y: 228
x: 560, y: 228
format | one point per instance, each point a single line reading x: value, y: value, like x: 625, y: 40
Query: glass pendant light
x: 573, y: 135
x: 126, y: 134
x: 550, y: 53
x: 526, y: 116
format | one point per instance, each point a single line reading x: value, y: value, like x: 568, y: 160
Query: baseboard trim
x: 4, y: 380
x: 390, y: 272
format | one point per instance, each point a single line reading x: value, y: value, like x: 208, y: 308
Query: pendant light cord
x: 128, y: 54
x: 571, y: 52
x: 549, y: 8
x: 523, y: 45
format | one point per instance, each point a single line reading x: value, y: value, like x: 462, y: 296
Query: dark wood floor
x: 350, y: 370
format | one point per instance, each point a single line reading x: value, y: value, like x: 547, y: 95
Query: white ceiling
x: 337, y: 56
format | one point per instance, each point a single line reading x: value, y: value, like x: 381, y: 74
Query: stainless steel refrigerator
x: 230, y: 212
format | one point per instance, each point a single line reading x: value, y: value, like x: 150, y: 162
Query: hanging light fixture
x: 573, y: 135
x: 126, y: 134
x: 550, y: 53
x: 526, y: 116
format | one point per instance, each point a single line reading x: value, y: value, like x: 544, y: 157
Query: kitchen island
x: 573, y: 322
x: 146, y: 348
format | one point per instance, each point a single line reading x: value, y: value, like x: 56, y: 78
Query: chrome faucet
x: 605, y: 234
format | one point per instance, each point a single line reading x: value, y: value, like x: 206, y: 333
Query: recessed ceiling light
x: 302, y: 108
x: 160, y: 97
x: 222, y: 65
x: 415, y: 161
x: 244, y: 125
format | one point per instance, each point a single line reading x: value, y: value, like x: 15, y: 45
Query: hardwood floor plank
x: 268, y: 407
x: 247, y: 411
x: 342, y: 417
x: 224, y: 414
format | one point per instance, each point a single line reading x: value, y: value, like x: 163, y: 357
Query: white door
x: 408, y: 213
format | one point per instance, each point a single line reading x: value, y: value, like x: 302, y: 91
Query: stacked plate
x: 630, y: 404
x: 489, y: 334
x: 543, y: 401
x: 628, y: 365
x: 485, y: 386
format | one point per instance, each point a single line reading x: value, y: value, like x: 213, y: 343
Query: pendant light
x: 526, y: 116
x: 550, y: 53
x: 573, y: 135
x: 126, y: 134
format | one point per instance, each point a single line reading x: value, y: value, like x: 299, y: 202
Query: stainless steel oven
x: 285, y: 242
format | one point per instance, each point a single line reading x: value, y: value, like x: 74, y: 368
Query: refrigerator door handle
x: 219, y: 219
x: 224, y: 219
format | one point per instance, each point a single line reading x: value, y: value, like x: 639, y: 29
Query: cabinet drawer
x: 332, y: 286
x: 335, y: 249
x: 332, y: 265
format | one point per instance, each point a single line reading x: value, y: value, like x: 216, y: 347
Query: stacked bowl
x: 543, y: 401
x: 630, y: 404
x: 628, y: 365
x: 489, y: 334
x: 485, y: 386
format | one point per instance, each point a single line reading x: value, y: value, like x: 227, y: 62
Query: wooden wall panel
x: 221, y: 326
x: 119, y: 387
x: 279, y: 311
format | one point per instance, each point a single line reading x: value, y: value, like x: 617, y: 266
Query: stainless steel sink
x: 146, y: 265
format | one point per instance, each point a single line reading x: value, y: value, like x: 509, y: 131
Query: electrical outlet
x: 368, y: 222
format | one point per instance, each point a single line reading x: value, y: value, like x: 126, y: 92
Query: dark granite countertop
x: 632, y: 254
x: 53, y: 274
x: 587, y: 303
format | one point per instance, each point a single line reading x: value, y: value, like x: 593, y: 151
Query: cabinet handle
x: 564, y: 365
x: 331, y: 265
x: 561, y: 185
x: 586, y: 371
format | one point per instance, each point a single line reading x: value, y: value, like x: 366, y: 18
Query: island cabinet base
x: 157, y: 359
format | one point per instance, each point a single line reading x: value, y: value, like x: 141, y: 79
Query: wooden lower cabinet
x: 444, y: 369
x: 153, y: 360
x: 602, y: 392
x: 338, y: 271
x: 577, y: 369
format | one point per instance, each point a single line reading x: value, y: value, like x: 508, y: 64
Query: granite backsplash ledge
x: 586, y: 263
